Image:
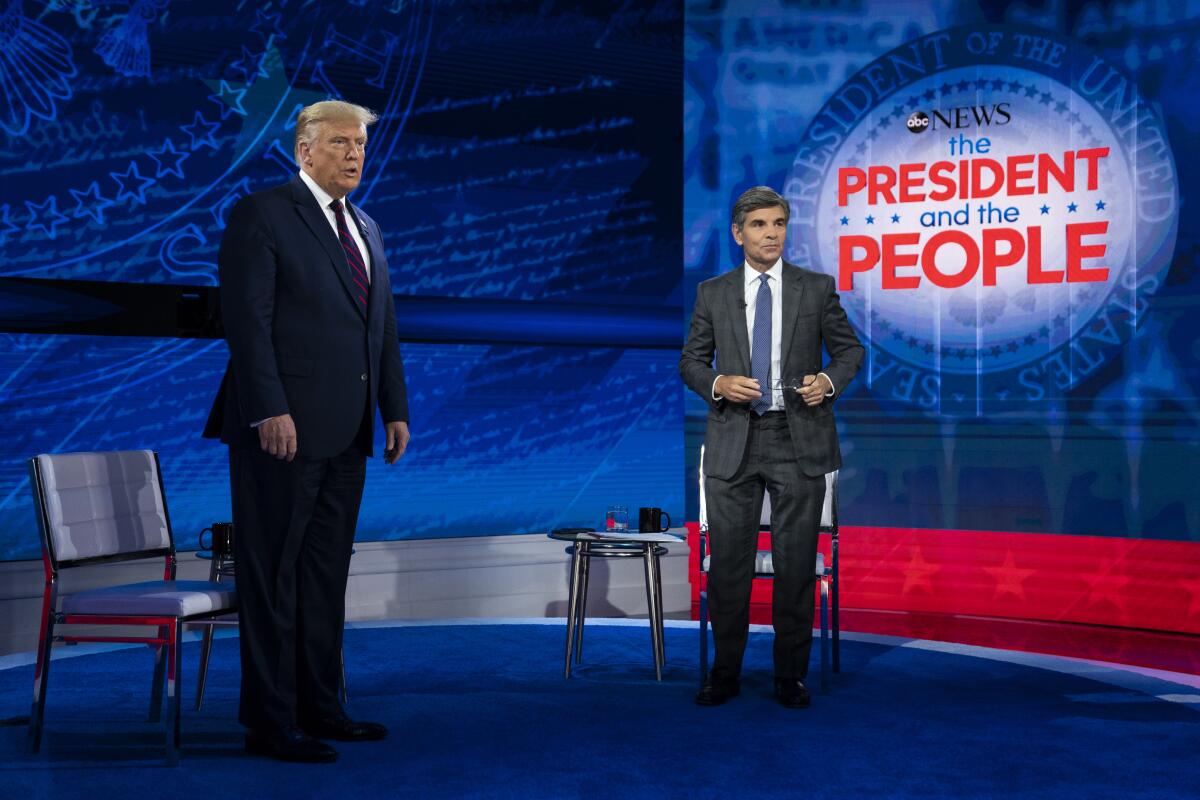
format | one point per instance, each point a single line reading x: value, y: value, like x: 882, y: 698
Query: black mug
x: 650, y: 520
x: 222, y: 539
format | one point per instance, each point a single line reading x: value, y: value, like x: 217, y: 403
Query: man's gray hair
x: 310, y: 119
x: 756, y: 198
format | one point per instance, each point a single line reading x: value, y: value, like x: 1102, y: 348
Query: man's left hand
x: 397, y: 441
x: 814, y: 389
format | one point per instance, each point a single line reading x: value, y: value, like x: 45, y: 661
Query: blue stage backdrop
x: 1001, y: 191
x: 525, y: 172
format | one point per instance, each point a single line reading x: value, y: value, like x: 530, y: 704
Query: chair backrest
x: 100, y: 505
x: 828, y: 510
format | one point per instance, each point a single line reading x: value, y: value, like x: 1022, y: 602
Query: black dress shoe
x: 344, y: 729
x: 289, y: 744
x: 714, y: 694
x: 791, y: 693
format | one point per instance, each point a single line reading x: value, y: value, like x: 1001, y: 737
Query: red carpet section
x: 1145, y: 584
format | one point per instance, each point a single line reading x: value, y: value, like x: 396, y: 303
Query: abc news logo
x: 960, y: 117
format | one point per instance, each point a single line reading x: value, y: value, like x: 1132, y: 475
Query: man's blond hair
x: 311, y: 118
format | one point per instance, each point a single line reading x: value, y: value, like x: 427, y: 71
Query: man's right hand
x: 737, y: 388
x: 277, y: 436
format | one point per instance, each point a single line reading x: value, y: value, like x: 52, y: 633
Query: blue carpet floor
x: 483, y: 711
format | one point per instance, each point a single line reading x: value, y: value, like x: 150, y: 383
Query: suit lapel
x: 792, y: 291
x: 314, y: 217
x: 735, y: 301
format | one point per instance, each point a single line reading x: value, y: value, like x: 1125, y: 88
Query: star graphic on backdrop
x: 201, y: 131
x: 1010, y: 579
x: 1060, y: 106
x: 1071, y: 207
x: 964, y: 86
x: 133, y: 184
x: 267, y: 26
x: 229, y: 99
x: 45, y: 216
x: 1045, y: 98
x: 870, y: 220
x: 1014, y: 87
x: 845, y: 220
x: 1105, y: 586
x: 895, y: 217
x: 6, y: 225
x: 861, y: 147
x: 90, y: 203
x: 912, y: 101
x: 1045, y: 209
x: 1099, y: 205
x: 168, y: 160
x: 929, y: 94
x: 917, y: 573
x: 897, y: 112
x: 1031, y: 91
x: 250, y: 65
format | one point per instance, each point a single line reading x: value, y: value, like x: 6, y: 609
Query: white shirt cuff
x: 716, y: 396
x: 832, y: 391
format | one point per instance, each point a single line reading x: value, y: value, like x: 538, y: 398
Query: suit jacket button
x: 363, y: 376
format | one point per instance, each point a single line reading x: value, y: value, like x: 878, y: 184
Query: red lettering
x: 848, y: 264
x: 910, y: 181
x: 929, y: 259
x: 882, y: 181
x: 993, y: 259
x: 940, y: 176
x: 1092, y: 156
x: 893, y: 259
x: 850, y: 180
x: 1077, y: 251
x: 1034, y: 271
x: 1017, y: 173
x: 978, y: 166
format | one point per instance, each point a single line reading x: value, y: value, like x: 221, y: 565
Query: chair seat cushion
x: 154, y: 598
x: 763, y: 565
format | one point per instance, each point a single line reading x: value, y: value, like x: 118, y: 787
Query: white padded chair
x: 827, y: 576
x: 96, y: 508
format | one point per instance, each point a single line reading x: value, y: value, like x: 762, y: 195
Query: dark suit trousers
x: 734, y: 507
x: 293, y: 535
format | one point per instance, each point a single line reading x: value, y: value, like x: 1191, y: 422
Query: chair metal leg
x: 202, y: 668
x: 837, y: 628
x: 572, y: 608
x: 703, y: 637
x: 662, y: 645
x: 156, y: 684
x: 648, y: 558
x: 171, y: 726
x: 41, y: 674
x: 824, y: 636
x: 583, y: 598
x: 342, y: 661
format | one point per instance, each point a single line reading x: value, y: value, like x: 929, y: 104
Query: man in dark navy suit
x: 308, y: 314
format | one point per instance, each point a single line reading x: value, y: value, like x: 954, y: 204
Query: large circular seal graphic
x: 996, y: 204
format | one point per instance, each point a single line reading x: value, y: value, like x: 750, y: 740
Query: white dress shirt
x: 751, y: 285
x: 323, y: 200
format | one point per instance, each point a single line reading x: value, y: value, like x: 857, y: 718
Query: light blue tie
x: 760, y: 349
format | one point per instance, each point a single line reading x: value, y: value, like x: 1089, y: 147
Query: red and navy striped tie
x: 358, y: 270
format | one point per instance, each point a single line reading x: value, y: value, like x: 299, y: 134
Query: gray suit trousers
x: 734, y: 507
